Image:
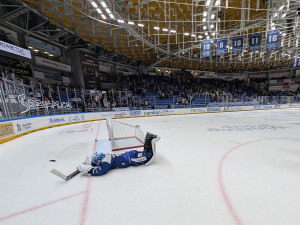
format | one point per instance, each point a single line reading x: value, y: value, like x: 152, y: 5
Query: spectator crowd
x: 145, y: 91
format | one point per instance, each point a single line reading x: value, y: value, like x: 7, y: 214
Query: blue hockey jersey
x: 112, y: 161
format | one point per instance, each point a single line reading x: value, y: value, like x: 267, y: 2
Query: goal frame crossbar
x: 125, y: 142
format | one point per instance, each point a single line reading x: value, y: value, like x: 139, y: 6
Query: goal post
x: 123, y: 135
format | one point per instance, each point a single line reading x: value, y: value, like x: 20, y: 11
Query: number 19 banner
x: 254, y: 42
x: 272, y: 40
x: 221, y: 46
x: 206, y: 49
x: 237, y: 45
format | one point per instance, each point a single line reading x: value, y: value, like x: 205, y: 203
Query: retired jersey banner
x: 254, y: 42
x: 206, y: 49
x: 272, y: 40
x: 221, y: 46
x: 237, y: 45
x: 295, y: 61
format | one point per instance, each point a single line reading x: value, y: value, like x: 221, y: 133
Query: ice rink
x: 240, y: 168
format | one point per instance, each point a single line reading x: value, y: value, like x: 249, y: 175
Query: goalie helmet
x: 97, y: 158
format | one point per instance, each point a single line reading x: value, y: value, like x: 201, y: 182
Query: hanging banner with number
x: 206, y: 49
x: 221, y: 46
x: 237, y: 45
x: 299, y: 62
x: 254, y: 42
x: 295, y: 61
x: 272, y: 40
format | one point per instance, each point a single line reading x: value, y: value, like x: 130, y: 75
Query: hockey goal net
x: 123, y: 135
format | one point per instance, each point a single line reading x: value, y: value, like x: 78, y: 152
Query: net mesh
x: 124, y: 135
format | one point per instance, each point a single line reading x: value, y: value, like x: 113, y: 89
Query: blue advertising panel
x: 221, y: 46
x: 254, y: 42
x: 206, y: 49
x: 237, y: 45
x: 299, y: 61
x: 272, y: 40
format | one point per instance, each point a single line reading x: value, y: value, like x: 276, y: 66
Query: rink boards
x: 11, y: 129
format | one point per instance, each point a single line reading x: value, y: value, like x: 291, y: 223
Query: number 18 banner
x: 254, y: 42
x: 206, y: 49
x: 272, y: 40
x: 237, y: 45
x: 221, y: 46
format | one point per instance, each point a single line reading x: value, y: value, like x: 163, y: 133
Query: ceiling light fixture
x: 94, y: 4
x: 103, y: 4
x: 173, y: 31
x: 121, y: 21
x: 107, y: 10
x: 217, y: 3
x: 141, y: 25
x: 281, y: 7
x: 103, y: 16
x: 204, y: 27
x: 212, y: 16
x: 193, y: 35
x: 111, y: 16
x: 283, y: 15
x: 99, y: 11
x: 204, y: 19
x: 130, y: 22
x: 165, y: 29
x: 186, y: 34
x: 212, y: 26
x: 205, y: 13
x: 156, y: 28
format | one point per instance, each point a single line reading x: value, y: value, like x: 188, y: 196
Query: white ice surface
x: 240, y: 168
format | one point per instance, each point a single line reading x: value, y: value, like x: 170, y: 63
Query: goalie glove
x: 84, y: 169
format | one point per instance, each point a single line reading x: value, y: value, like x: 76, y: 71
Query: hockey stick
x: 63, y: 176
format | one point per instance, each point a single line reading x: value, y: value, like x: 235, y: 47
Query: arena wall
x: 11, y: 129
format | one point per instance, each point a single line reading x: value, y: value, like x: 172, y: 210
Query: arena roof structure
x: 171, y: 33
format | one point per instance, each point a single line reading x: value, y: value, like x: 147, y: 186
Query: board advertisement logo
x: 198, y: 110
x: 6, y: 129
x: 76, y: 118
x: 214, y: 109
x: 135, y: 113
x: 23, y: 126
x: 152, y: 113
x: 57, y: 120
x: 123, y: 114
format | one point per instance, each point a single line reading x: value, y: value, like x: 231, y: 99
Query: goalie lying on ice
x: 101, y: 163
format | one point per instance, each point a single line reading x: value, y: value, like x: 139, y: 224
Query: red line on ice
x: 221, y: 183
x: 225, y: 196
x: 88, y: 188
x: 40, y: 206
